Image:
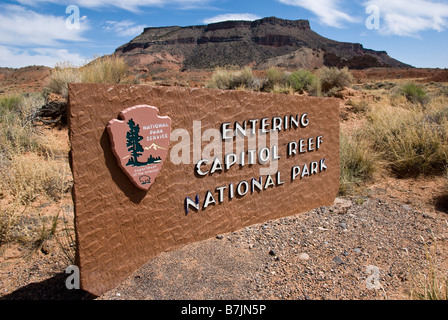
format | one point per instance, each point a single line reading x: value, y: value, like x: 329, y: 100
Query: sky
x: 48, y: 32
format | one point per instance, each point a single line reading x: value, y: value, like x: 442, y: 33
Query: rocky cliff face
x: 262, y: 43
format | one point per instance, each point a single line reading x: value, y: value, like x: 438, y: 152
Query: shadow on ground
x: 50, y: 289
x: 441, y: 203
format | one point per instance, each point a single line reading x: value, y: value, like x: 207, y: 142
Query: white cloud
x: 22, y: 27
x: 125, y: 28
x: 327, y: 11
x: 232, y: 16
x: 16, y: 58
x: 130, y: 5
x: 409, y: 17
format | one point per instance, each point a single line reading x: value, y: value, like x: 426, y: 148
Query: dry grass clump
x: 358, y: 164
x: 108, y: 69
x: 406, y: 139
x: 28, y: 177
x: 411, y: 140
x: 432, y: 284
x: 63, y: 74
x: 276, y: 79
x: 234, y: 79
x: 17, y: 132
x: 33, y: 166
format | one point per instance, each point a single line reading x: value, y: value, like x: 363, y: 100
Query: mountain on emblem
x: 140, y: 139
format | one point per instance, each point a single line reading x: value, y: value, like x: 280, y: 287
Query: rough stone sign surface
x: 156, y: 168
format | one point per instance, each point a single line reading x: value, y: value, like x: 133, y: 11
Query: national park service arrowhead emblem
x: 140, y: 140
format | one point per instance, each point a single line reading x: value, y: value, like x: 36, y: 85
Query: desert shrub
x: 226, y: 79
x: 108, y: 69
x: 221, y: 79
x: 300, y: 80
x: 29, y: 169
x: 413, y: 93
x: 409, y: 140
x: 17, y: 133
x: 331, y: 80
x: 61, y: 76
x: 275, y: 77
x: 357, y: 164
x: 25, y: 150
x: 9, y: 103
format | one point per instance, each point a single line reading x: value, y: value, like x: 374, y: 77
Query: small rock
x: 304, y: 257
x: 341, y: 206
x: 406, y: 207
x: 272, y: 252
x: 357, y: 250
x: 338, y: 260
x: 342, y: 225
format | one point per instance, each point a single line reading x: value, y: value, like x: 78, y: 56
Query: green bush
x: 301, y: 80
x: 9, y: 103
x: 413, y: 93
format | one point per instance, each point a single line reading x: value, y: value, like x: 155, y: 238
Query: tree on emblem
x: 133, y: 143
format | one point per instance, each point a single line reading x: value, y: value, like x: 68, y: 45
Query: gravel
x: 326, y: 253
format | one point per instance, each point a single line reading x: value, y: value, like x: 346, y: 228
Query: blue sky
x: 45, y: 32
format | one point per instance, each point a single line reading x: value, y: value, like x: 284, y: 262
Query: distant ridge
x: 261, y: 43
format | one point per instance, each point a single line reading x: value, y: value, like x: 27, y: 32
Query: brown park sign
x: 156, y: 168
